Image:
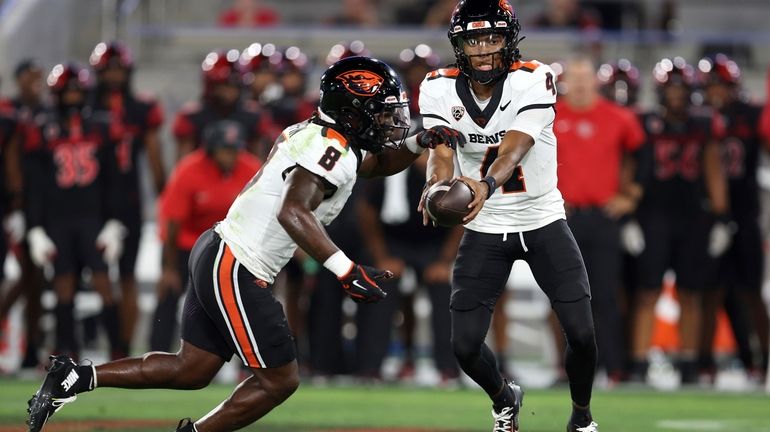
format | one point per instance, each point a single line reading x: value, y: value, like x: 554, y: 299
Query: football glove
x: 15, y: 226
x: 110, y: 241
x: 41, y: 248
x: 632, y: 238
x: 720, y: 238
x: 437, y: 135
x: 359, y: 283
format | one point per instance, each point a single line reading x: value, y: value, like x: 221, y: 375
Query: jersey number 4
x: 515, y: 183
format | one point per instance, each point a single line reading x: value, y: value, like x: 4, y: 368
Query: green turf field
x: 398, y: 408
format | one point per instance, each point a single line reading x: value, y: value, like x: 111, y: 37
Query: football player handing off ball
x: 503, y: 107
x: 360, y: 129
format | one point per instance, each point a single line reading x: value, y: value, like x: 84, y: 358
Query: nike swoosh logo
x: 355, y: 282
x: 503, y: 107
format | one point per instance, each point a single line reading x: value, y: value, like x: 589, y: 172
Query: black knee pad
x: 577, y: 322
x: 469, y: 329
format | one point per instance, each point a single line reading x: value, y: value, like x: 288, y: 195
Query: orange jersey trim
x: 525, y: 66
x: 443, y: 73
x: 328, y: 132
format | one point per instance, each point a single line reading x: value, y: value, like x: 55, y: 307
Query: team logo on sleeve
x: 361, y: 82
x: 458, y: 112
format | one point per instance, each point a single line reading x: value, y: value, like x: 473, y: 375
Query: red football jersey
x: 590, y: 148
x: 198, y: 194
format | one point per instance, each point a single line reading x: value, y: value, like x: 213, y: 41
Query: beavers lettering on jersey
x: 486, y: 139
x: 523, y: 101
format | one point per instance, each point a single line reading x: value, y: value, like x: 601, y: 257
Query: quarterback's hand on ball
x: 359, y: 283
x: 421, y: 205
x: 480, y: 193
x: 437, y: 135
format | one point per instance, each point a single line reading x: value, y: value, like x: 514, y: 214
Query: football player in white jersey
x: 503, y: 106
x: 360, y: 130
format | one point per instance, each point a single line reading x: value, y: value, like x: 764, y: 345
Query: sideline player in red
x: 596, y: 172
x: 202, y: 187
x: 360, y: 130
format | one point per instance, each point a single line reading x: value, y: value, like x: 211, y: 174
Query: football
x: 447, y: 202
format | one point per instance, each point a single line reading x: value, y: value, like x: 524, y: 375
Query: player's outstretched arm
x: 303, y: 192
x: 391, y: 162
x: 387, y: 163
x: 513, y: 148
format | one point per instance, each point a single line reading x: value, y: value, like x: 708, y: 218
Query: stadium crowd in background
x: 680, y: 193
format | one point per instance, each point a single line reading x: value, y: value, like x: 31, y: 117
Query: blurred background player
x: 73, y: 205
x: 259, y: 65
x: 221, y: 100
x: 418, y: 256
x: 291, y: 105
x: 596, y: 172
x: 741, y: 268
x: 200, y: 190
x: 684, y: 194
x: 134, y: 122
x: 27, y: 105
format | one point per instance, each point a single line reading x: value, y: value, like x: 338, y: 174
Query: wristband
x: 492, y: 183
x: 413, y: 146
x: 339, y: 264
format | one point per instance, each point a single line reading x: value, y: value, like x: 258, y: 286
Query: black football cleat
x: 57, y: 390
x: 507, y: 420
x: 593, y: 427
x: 185, y: 425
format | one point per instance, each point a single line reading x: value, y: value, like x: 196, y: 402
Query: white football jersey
x: 529, y: 199
x: 251, y: 228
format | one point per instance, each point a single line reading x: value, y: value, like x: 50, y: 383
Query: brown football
x: 447, y: 202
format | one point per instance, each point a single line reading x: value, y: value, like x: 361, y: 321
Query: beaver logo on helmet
x: 504, y: 5
x: 361, y: 82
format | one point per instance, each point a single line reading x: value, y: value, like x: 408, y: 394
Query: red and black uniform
x: 197, y: 196
x: 130, y: 118
x: 70, y: 187
x: 260, y: 130
x: 674, y: 212
x: 592, y: 144
x: 8, y: 127
x: 740, y: 148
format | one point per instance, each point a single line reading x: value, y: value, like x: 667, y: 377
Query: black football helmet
x: 474, y: 17
x: 719, y: 69
x: 620, y: 82
x: 108, y: 53
x: 367, y: 102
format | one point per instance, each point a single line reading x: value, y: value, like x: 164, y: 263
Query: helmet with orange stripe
x: 485, y: 38
x: 364, y: 100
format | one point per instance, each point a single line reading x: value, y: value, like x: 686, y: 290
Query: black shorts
x: 127, y: 263
x: 679, y: 243
x: 484, y: 263
x: 227, y: 311
x: 742, y: 265
x: 75, y: 242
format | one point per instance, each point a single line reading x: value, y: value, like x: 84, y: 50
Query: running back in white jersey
x: 529, y: 199
x: 251, y: 228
